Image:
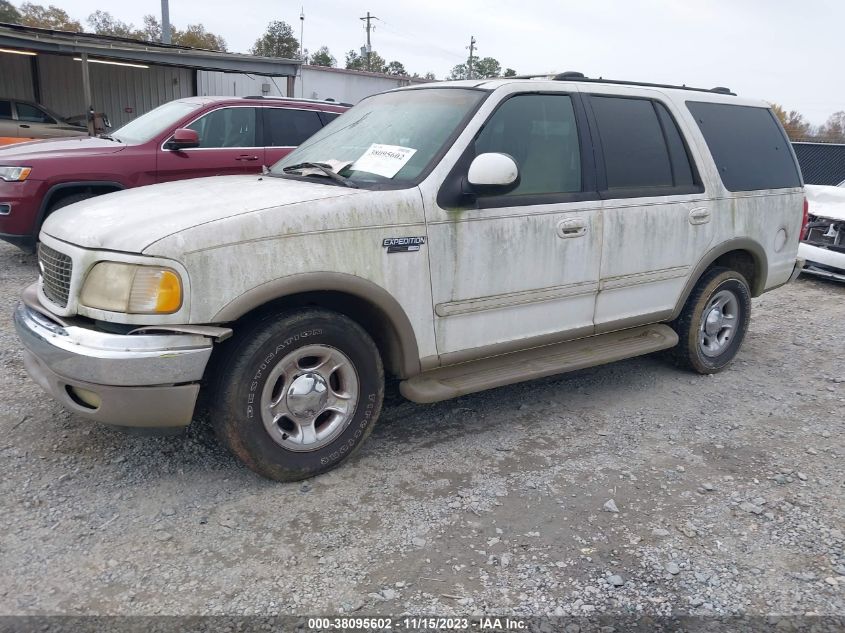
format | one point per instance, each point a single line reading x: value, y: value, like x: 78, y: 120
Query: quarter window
x: 748, y: 145
x: 227, y: 127
x: 289, y: 128
x: 5, y: 109
x: 540, y: 133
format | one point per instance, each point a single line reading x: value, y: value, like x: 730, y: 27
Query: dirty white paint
x: 485, y: 277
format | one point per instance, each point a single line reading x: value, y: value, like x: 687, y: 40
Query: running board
x: 458, y: 380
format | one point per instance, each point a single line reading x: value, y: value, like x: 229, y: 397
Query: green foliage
x: 8, y: 12
x: 323, y: 57
x: 396, y: 69
x: 509, y: 72
x: 482, y: 68
x: 278, y: 41
x: 103, y: 23
x: 49, y: 17
x: 354, y: 61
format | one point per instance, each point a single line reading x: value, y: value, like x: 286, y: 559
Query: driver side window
x: 227, y: 127
x: 539, y: 132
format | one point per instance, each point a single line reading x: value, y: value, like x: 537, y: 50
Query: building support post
x: 86, y: 89
x: 291, y: 85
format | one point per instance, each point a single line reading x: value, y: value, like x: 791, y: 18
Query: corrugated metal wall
x: 115, y: 89
x: 15, y: 76
x: 217, y: 84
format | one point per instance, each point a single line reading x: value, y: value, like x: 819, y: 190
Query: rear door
x: 230, y: 143
x: 33, y: 122
x: 286, y: 128
x: 656, y: 217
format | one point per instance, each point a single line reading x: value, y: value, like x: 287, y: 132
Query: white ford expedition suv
x: 457, y: 236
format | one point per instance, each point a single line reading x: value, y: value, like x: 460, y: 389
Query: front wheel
x: 713, y: 323
x: 298, y: 393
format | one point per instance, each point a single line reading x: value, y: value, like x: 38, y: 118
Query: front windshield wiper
x: 321, y: 167
x: 109, y: 137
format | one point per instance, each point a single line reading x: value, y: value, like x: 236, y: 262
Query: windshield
x: 149, y: 125
x: 388, y: 138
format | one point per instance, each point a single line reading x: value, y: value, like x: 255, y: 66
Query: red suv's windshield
x: 154, y: 122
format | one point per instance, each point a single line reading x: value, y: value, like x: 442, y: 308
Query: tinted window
x: 682, y: 172
x: 328, y: 117
x: 748, y: 146
x: 5, y: 109
x: 289, y: 128
x: 635, y: 153
x: 540, y: 133
x: 226, y: 127
x: 31, y: 114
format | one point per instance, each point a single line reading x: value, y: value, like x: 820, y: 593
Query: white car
x: 823, y: 243
x: 458, y: 236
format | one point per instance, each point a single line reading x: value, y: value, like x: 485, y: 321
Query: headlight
x: 132, y: 289
x: 14, y: 174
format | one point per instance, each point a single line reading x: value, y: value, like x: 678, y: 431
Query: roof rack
x: 329, y: 101
x: 572, y: 75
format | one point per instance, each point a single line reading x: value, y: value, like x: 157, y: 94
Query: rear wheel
x: 713, y: 323
x: 297, y: 394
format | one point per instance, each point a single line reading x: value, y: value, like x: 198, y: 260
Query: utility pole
x: 165, y: 21
x: 471, y: 48
x: 369, y: 27
x: 301, y: 30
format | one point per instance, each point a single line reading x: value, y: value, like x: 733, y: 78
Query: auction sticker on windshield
x: 383, y: 160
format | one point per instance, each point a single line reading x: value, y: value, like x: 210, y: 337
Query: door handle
x: 575, y: 227
x: 699, y: 215
x: 24, y: 125
x: 246, y: 157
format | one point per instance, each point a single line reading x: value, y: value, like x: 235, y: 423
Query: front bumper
x: 822, y: 262
x: 141, y: 380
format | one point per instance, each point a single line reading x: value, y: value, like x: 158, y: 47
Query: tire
x: 298, y: 393
x: 709, y: 346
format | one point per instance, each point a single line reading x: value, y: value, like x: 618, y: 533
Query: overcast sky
x: 788, y: 52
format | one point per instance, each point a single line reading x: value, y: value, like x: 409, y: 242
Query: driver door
x: 509, y: 270
x: 230, y: 143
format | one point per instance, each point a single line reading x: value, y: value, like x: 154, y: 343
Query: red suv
x: 186, y: 138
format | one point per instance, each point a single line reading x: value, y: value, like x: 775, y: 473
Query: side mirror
x: 493, y: 173
x: 183, y: 138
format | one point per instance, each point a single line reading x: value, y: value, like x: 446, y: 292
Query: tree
x: 396, y: 69
x: 50, y: 17
x: 323, y: 57
x: 152, y: 29
x: 483, y: 68
x: 834, y: 128
x: 278, y: 41
x: 8, y: 12
x: 103, y: 23
x: 354, y: 61
x: 509, y: 72
x: 793, y: 122
x: 196, y: 36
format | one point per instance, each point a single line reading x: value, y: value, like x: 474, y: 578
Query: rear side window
x: 748, y: 146
x: 289, y: 128
x: 328, y: 117
x: 642, y: 146
x: 31, y: 114
x: 5, y: 109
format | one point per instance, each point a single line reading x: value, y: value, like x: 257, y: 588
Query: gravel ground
x: 629, y: 488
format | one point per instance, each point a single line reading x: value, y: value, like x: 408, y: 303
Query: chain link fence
x: 821, y: 163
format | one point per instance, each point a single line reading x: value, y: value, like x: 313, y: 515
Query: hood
x: 59, y: 148
x: 826, y: 202
x: 131, y: 220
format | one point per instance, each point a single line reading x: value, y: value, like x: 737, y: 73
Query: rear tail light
x: 805, y: 219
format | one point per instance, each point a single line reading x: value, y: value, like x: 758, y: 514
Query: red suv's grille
x: 56, y: 269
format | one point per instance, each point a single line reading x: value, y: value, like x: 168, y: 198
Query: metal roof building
x: 72, y: 72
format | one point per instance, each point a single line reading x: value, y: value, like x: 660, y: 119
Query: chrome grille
x: 56, y: 269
